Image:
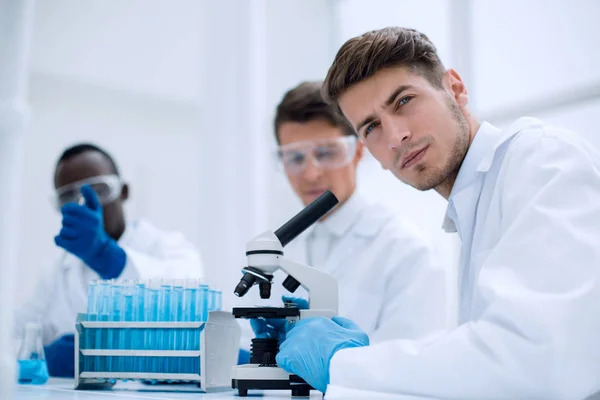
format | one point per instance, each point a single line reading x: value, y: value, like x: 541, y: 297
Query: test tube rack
x: 195, y: 352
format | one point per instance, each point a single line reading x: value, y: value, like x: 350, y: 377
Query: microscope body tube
x: 305, y: 218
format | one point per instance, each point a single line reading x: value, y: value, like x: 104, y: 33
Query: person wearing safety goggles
x: 99, y: 243
x: 388, y: 283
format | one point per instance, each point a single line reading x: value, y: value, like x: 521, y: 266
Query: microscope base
x: 298, y: 389
x: 253, y: 377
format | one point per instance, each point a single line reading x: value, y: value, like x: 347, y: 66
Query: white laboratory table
x: 59, y: 389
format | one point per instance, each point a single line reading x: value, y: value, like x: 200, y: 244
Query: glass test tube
x: 165, y: 295
x: 127, y: 310
x: 92, y: 315
x: 175, y: 338
x: 151, y: 315
x: 139, y: 316
x: 103, y: 304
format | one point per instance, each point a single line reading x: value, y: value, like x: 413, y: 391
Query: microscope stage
x: 265, y: 312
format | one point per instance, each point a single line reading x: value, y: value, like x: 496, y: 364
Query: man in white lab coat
x: 387, y: 277
x: 98, y: 243
x: 525, y: 201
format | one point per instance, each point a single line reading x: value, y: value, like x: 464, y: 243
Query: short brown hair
x: 363, y: 56
x: 305, y: 103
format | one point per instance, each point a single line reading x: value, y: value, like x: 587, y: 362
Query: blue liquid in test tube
x: 103, y: 316
x: 92, y: 315
x: 151, y: 311
x: 127, y: 311
x: 139, y: 315
x: 218, y: 300
x: 175, y: 338
x: 165, y: 316
x: 116, y: 304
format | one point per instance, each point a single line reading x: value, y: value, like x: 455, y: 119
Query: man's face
x: 317, y: 156
x: 92, y: 164
x: 412, y: 128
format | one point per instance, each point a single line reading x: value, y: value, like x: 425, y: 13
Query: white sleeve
x: 35, y: 308
x: 416, y: 293
x: 537, y: 337
x: 172, y: 257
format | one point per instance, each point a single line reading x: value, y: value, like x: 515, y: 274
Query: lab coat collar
x: 341, y: 220
x: 479, y: 159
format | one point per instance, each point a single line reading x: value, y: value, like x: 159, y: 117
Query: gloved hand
x: 276, y: 327
x: 309, y: 347
x: 83, y: 235
x: 60, y: 357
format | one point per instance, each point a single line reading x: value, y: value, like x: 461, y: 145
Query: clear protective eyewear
x: 324, y: 153
x: 107, y: 188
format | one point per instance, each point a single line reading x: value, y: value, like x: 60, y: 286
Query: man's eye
x: 370, y: 127
x: 404, y: 100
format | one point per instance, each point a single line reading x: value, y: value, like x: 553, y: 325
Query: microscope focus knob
x: 291, y: 284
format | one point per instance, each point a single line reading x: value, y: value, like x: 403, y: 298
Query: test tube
x: 165, y: 296
x: 175, y: 335
x: 139, y: 316
x: 103, y: 306
x: 115, y: 315
x: 127, y: 313
x: 151, y: 315
x: 218, y: 300
x: 92, y: 315
x: 202, y: 301
x: 211, y: 300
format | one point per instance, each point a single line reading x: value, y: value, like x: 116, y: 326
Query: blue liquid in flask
x: 33, y: 368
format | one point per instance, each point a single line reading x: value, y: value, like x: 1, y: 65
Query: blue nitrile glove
x: 243, y: 357
x: 60, y: 356
x: 309, y: 347
x: 276, y: 327
x: 83, y: 235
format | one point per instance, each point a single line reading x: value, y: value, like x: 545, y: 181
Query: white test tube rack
x: 218, y: 353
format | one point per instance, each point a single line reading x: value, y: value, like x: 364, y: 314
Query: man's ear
x: 360, y: 149
x: 124, y: 192
x: 456, y: 87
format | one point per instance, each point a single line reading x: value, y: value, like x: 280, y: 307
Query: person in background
x: 388, y: 280
x: 525, y: 201
x: 99, y: 242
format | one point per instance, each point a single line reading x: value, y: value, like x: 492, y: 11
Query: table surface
x: 56, y: 389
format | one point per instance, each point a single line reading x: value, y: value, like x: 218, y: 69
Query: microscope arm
x: 322, y: 288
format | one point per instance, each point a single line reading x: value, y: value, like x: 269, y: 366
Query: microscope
x: 265, y: 256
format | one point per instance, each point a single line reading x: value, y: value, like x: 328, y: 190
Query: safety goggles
x: 323, y: 153
x: 107, y: 188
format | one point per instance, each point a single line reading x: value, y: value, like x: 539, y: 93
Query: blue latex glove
x: 276, y: 327
x: 83, y: 235
x: 309, y: 347
x: 60, y: 356
x: 243, y: 357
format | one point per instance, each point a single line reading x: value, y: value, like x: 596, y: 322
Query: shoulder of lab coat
x: 414, y: 302
x: 153, y: 253
x: 539, y: 286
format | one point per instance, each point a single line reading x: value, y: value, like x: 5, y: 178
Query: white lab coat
x: 526, y: 204
x: 61, y: 291
x: 388, y: 281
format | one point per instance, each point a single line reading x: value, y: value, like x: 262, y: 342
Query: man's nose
x: 396, y: 133
x: 311, y: 171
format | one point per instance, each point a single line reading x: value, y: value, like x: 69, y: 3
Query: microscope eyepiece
x: 245, y: 284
